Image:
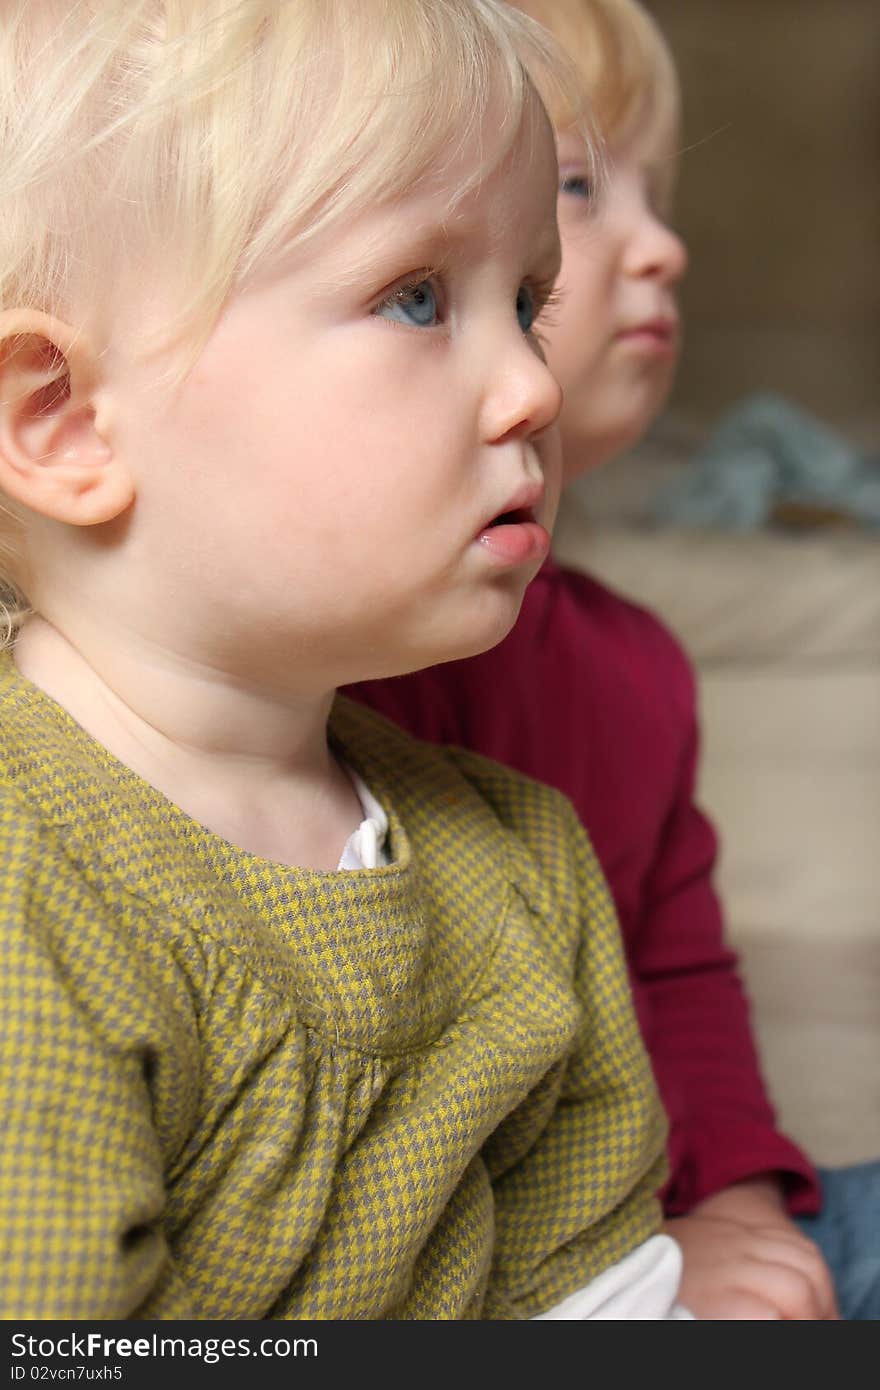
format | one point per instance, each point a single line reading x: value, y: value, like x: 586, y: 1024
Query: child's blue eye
x: 414, y: 304
x: 577, y: 185
x: 525, y: 308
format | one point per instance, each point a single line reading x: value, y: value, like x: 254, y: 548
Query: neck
x: 250, y: 763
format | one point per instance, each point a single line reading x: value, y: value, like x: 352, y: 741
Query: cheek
x: 610, y: 413
x: 346, y: 445
x: 399, y: 422
x: 579, y: 326
x: 553, y: 468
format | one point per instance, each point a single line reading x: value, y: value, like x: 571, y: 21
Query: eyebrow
x: 432, y: 246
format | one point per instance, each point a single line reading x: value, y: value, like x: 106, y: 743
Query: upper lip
x: 520, y: 506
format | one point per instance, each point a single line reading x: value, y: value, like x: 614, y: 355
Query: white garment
x: 641, y: 1287
x: 365, y: 847
x: 644, y: 1284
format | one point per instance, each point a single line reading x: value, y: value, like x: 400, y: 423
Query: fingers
x: 793, y: 1275
x: 767, y: 1272
x: 743, y: 1305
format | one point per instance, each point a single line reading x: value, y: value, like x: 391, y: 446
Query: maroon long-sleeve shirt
x: 592, y: 694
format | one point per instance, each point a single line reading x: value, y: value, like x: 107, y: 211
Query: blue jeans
x: 847, y: 1231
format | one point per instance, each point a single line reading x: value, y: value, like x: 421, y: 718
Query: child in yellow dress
x: 301, y: 1017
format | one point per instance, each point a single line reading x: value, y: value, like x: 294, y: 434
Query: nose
x: 655, y: 251
x: 523, y: 397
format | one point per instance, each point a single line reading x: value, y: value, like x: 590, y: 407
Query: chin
x: 589, y: 443
x: 585, y: 450
x: 489, y: 626
x: 488, y: 638
x: 498, y: 613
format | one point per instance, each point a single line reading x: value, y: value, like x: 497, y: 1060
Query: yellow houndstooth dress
x: 236, y: 1090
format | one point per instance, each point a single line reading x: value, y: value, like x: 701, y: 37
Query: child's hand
x: 745, y: 1258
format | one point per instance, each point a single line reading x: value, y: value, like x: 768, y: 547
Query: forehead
x: 521, y: 173
x: 652, y: 138
x: 646, y: 142
x: 498, y: 194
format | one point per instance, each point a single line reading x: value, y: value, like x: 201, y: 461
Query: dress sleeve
x: 582, y: 1196
x: 81, y: 1185
x: 723, y: 1127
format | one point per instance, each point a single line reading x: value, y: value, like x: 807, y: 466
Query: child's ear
x: 54, y: 458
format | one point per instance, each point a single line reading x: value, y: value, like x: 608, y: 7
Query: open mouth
x: 515, y: 518
x: 515, y: 536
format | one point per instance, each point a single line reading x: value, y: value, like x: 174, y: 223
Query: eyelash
x: 399, y: 292
x: 545, y: 296
x: 546, y: 300
x: 586, y: 192
x: 543, y: 292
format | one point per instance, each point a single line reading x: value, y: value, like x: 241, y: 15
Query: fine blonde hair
x: 626, y: 69
x: 204, y: 139
x: 216, y: 134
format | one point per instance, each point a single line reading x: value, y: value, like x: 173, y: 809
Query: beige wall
x: 780, y: 203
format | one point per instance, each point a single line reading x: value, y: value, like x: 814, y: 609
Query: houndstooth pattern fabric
x: 235, y: 1090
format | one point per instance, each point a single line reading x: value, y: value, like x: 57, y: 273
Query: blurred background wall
x: 779, y: 201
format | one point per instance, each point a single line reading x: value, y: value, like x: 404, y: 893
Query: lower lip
x: 650, y: 340
x: 516, y: 543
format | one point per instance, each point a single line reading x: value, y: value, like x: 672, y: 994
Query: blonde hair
x: 225, y: 131
x: 209, y: 137
x: 627, y: 71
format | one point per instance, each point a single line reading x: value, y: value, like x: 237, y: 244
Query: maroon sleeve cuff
x: 710, y: 1162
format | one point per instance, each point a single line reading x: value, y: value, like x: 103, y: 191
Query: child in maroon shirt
x: 592, y: 694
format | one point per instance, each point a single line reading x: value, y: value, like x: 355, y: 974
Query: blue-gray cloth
x: 847, y: 1231
x: 764, y: 452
